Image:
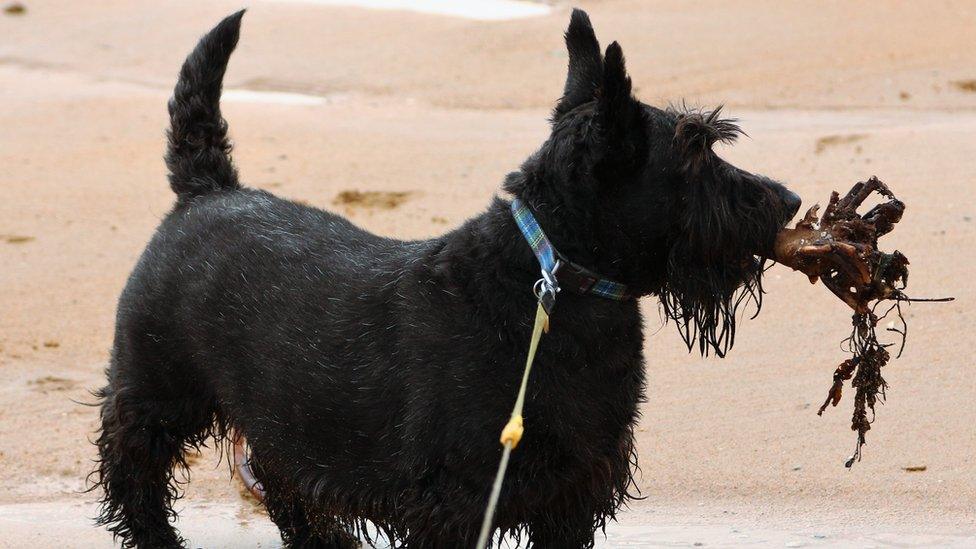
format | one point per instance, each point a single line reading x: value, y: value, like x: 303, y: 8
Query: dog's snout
x: 791, y: 201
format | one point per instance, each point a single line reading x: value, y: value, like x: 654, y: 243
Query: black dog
x: 372, y: 376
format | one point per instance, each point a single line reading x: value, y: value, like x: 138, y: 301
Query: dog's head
x: 637, y: 193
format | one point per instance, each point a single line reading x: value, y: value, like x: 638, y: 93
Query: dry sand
x: 436, y: 110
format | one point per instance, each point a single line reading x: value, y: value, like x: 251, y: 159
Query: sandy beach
x: 429, y: 112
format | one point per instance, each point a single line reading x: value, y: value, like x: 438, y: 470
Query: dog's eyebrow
x: 697, y: 129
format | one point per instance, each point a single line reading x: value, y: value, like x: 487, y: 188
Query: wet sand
x: 436, y: 110
x: 232, y: 526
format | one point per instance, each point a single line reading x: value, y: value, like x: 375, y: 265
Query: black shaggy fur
x: 371, y: 376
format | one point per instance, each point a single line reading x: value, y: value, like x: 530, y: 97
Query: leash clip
x: 546, y: 288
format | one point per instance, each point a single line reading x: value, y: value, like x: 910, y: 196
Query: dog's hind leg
x: 147, y: 423
x: 299, y: 527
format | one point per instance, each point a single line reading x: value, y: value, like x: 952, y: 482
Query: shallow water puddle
x: 483, y: 10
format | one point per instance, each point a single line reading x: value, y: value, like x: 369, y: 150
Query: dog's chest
x: 586, y: 393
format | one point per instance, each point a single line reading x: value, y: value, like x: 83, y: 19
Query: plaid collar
x: 557, y: 271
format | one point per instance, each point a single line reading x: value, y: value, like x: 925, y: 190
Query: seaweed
x: 840, y: 249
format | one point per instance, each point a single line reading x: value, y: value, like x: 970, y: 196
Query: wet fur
x: 371, y: 376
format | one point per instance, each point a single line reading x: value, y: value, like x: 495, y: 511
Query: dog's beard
x: 704, y: 302
x: 714, y: 265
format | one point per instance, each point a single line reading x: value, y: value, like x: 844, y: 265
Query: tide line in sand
x: 271, y: 97
x: 483, y: 10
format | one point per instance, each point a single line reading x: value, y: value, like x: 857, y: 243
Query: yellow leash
x: 512, y: 433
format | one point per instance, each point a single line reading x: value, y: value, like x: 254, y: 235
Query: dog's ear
x: 615, y: 104
x: 585, y: 72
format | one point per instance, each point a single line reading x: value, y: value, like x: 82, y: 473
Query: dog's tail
x: 198, y: 156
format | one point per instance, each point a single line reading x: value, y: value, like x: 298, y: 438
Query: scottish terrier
x: 371, y: 376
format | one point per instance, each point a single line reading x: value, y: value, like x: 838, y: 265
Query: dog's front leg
x: 563, y: 528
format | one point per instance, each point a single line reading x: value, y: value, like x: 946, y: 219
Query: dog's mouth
x: 755, y: 263
x: 751, y: 272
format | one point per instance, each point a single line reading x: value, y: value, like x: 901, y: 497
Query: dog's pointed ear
x: 585, y: 73
x: 615, y: 104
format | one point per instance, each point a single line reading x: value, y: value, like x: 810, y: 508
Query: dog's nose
x: 791, y: 201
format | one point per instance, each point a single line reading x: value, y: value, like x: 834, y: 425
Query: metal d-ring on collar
x: 546, y: 288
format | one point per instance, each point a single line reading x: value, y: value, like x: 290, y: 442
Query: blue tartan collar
x: 558, y: 273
